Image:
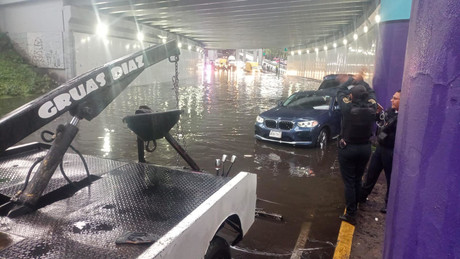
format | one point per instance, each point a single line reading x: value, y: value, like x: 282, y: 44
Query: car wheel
x: 218, y: 249
x: 322, y: 140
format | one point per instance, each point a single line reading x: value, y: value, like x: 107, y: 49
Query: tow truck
x: 58, y: 203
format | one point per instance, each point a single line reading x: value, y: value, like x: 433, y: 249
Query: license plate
x: 275, y: 134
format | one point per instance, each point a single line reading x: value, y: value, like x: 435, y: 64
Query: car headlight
x: 260, y: 119
x: 307, y: 124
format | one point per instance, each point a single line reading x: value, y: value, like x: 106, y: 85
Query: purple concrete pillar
x: 389, y: 60
x: 423, y: 219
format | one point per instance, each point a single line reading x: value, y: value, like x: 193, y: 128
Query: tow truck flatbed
x: 180, y: 209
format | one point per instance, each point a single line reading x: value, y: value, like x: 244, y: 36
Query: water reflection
x: 298, y: 162
x: 107, y: 147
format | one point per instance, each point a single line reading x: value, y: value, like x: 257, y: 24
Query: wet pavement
x: 301, y: 184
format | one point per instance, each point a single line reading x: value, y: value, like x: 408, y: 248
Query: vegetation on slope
x: 17, y: 77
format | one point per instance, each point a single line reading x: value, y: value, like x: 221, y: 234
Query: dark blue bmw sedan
x: 308, y: 118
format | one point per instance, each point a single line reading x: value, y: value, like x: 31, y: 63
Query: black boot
x: 348, y: 218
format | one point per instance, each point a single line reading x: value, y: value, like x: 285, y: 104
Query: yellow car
x: 222, y: 64
x: 252, y: 67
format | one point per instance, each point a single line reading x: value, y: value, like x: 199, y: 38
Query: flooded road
x: 301, y: 184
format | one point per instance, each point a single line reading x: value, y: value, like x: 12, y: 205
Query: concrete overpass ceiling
x: 243, y: 24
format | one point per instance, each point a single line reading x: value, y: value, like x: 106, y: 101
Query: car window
x: 308, y: 101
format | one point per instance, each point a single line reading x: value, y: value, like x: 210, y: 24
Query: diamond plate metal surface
x: 128, y: 197
x: 14, y: 169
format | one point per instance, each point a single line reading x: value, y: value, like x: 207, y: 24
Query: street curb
x: 344, y: 241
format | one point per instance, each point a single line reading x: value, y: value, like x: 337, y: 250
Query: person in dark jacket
x: 382, y: 159
x: 358, y: 107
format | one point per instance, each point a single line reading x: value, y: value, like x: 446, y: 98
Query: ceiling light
x: 299, y: 51
x: 163, y: 40
x: 102, y: 30
x: 355, y: 36
x: 292, y: 53
x: 189, y: 47
x: 308, y: 51
x: 366, y: 29
x: 377, y: 18
x: 345, y: 41
x: 179, y: 45
x: 140, y: 36
x: 316, y: 50
x: 325, y: 47
x: 334, y: 45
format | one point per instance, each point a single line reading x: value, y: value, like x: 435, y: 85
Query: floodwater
x: 301, y: 184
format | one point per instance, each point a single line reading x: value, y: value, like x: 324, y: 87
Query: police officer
x: 358, y: 106
x: 383, y: 155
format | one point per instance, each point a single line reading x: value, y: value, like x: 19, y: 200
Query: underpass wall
x: 92, y: 51
x: 346, y: 59
x: 61, y: 38
x: 36, y: 31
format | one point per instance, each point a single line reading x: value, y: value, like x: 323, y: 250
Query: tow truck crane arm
x: 84, y: 96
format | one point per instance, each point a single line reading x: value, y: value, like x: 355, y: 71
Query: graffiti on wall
x: 46, y: 49
x: 43, y: 50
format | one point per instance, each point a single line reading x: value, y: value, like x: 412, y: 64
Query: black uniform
x: 358, y: 117
x: 383, y: 155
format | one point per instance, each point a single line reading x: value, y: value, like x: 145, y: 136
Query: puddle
x: 83, y: 227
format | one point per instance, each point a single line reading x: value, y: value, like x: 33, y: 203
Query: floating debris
x: 261, y: 213
x: 274, y: 157
x: 272, y: 202
x: 256, y: 252
x: 301, y: 172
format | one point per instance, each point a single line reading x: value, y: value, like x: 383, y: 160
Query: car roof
x: 333, y: 76
x: 330, y: 77
x: 329, y: 82
x: 329, y: 91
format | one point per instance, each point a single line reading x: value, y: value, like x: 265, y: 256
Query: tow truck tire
x: 218, y: 249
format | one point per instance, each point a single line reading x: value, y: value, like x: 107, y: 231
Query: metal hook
x: 176, y: 58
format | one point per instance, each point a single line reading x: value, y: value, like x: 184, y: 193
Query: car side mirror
x: 280, y: 103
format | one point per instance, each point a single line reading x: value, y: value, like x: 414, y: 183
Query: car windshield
x: 315, y: 101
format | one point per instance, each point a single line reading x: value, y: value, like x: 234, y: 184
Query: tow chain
x: 175, y: 80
